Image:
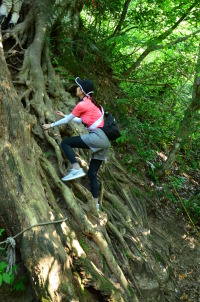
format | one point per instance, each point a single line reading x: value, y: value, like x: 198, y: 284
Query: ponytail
x: 94, y: 101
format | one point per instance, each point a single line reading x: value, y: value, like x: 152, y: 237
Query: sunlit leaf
x: 6, y: 278
x: 3, y: 265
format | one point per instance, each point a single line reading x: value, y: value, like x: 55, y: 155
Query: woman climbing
x: 90, y: 113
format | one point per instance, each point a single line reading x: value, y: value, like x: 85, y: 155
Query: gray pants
x: 98, y: 143
x: 11, y: 5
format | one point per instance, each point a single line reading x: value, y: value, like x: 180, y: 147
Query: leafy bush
x: 5, y: 277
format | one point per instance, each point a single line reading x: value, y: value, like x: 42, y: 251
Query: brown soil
x: 184, y: 255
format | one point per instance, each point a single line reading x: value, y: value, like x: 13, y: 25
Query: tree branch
x: 177, y: 40
x: 140, y: 82
x: 156, y: 40
x: 123, y: 17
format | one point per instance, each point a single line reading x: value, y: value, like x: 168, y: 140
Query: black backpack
x: 110, y: 127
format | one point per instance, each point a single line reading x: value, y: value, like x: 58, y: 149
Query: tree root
x: 86, y: 226
x: 90, y: 276
x: 120, y: 238
x: 57, y: 151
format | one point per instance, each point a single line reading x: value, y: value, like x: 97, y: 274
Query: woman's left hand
x: 60, y: 113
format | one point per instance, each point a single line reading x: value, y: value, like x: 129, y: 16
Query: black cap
x: 86, y: 85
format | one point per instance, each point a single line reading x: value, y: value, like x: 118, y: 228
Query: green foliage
x: 178, y: 182
x: 5, y: 277
x: 192, y: 206
x: 50, y: 153
x: 173, y: 192
x: 1, y: 231
x: 20, y: 285
x: 147, y: 129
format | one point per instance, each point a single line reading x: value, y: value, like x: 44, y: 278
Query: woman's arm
x: 64, y: 120
x: 77, y: 120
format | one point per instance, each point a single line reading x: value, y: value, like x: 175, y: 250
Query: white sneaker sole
x: 78, y: 175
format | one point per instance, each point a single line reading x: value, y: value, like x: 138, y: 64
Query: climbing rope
x: 10, y: 254
x: 187, y: 212
x: 10, y: 244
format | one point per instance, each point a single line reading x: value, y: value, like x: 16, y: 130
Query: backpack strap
x: 98, y: 122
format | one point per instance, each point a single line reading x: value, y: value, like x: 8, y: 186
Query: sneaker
x: 97, y: 207
x: 73, y: 174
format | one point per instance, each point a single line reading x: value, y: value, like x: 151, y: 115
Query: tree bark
x: 23, y: 200
x: 123, y: 17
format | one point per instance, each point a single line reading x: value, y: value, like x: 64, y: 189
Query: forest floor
x: 184, y: 258
x: 182, y: 232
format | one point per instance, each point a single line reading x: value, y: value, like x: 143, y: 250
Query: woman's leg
x: 5, y: 7
x: 92, y: 175
x: 17, y: 4
x: 67, y: 145
x: 72, y: 142
x: 76, y: 142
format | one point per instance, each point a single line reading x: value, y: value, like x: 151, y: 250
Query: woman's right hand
x: 46, y: 126
x: 60, y: 113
